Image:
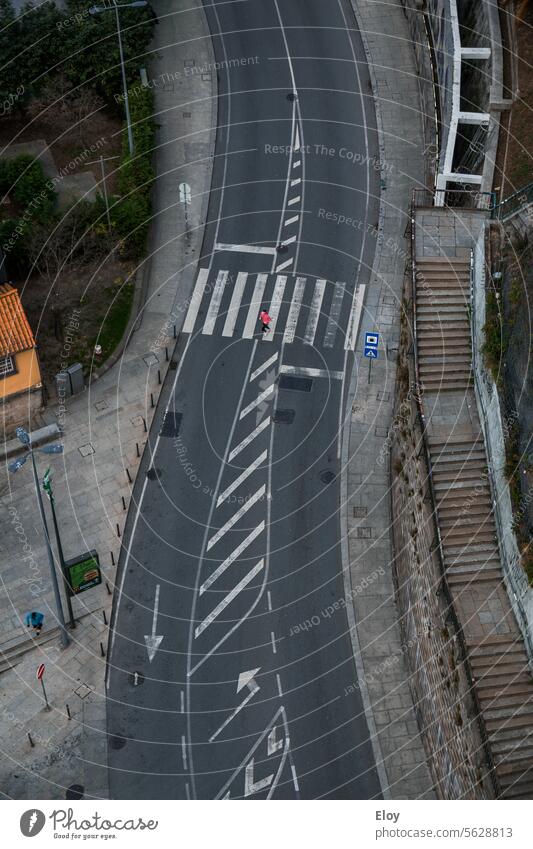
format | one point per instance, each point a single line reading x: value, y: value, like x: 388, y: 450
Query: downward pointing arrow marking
x: 152, y: 641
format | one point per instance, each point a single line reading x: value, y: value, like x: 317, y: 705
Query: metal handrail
x: 444, y: 580
x: 515, y: 203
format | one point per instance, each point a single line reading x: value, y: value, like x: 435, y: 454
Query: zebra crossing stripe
x: 242, y: 477
x: 214, y: 576
x: 285, y: 264
x: 221, y: 606
x: 355, y: 318
x: 235, y: 303
x: 314, y: 312
x: 294, y: 311
x: 214, y: 306
x: 255, y: 306
x: 275, y: 305
x: 294, y: 200
x: 196, y: 300
x: 235, y: 518
x: 333, y: 319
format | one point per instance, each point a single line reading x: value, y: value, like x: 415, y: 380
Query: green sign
x: 83, y: 572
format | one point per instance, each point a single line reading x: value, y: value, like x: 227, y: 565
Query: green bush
x: 131, y: 219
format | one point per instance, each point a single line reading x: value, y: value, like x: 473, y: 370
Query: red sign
x: 40, y: 671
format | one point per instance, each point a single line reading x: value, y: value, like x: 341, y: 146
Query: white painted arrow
x: 249, y: 786
x: 152, y: 641
x: 246, y: 677
x: 185, y: 194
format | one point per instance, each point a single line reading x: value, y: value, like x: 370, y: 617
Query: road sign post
x: 371, y: 349
x: 40, y: 677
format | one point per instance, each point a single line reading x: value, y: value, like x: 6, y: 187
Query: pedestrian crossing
x: 311, y: 311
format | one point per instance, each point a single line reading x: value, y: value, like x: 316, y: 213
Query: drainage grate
x: 296, y: 384
x: 283, y: 416
x: 171, y: 424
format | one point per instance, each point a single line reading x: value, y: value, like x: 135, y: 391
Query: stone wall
x: 20, y: 409
x: 445, y: 710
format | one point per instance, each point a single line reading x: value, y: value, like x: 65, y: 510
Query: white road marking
x: 334, y: 314
x: 291, y: 220
x: 255, y: 306
x: 259, y: 400
x: 152, y: 641
x: 214, y: 305
x: 271, y: 360
x: 297, y: 139
x: 245, y: 249
x: 295, y: 778
x: 184, y: 752
x: 235, y: 518
x: 246, y: 679
x: 251, y: 787
x: 233, y: 556
x: 294, y: 311
x: 273, y: 744
x: 273, y: 640
x: 285, y: 264
x: 302, y: 371
x: 275, y: 305
x: 196, y: 300
x: 269, y: 600
x: 248, y: 439
x: 253, y: 690
x: 242, y: 477
x: 297, y: 163
x: 289, y: 241
x: 294, y: 200
x: 235, y: 303
x: 187, y: 790
x: 296, y: 181
x: 221, y: 606
x: 355, y: 317
x: 314, y: 312
x: 280, y: 689
x: 182, y: 702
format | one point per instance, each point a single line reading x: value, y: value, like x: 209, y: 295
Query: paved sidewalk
x: 384, y: 676
x: 102, y: 427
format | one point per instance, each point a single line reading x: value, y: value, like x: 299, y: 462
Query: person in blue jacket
x: 34, y: 620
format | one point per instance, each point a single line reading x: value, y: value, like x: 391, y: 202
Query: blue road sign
x: 371, y: 345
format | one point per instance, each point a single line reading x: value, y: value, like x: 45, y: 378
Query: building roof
x: 15, y: 331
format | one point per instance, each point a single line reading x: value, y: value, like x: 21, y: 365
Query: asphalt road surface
x: 231, y: 671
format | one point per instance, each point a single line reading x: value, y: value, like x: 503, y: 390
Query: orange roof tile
x: 15, y: 332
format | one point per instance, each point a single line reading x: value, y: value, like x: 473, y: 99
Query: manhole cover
x: 283, y: 416
x: 75, y: 791
x: 171, y: 424
x: 153, y: 474
x: 296, y: 384
x: 291, y: 97
x: 117, y: 742
x: 282, y: 249
x: 327, y: 476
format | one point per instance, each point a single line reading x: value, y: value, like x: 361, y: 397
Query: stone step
x: 451, y: 329
x: 457, y: 536
x: 10, y: 655
x: 524, y: 720
x: 480, y: 663
x: 443, y: 313
x: 519, y: 790
x: 463, y: 473
x: 502, y: 713
x: 456, y: 578
x: 510, y: 737
x: 449, y: 262
x: 454, y: 506
x: 440, y: 368
x: 511, y: 672
x: 471, y: 522
x: 436, y: 386
x: 508, y: 643
x: 473, y: 569
x: 519, y: 699
x: 452, y: 456
x: 462, y: 486
x: 449, y: 359
x: 482, y: 548
x: 509, y: 751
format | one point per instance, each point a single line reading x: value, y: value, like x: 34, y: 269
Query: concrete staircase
x: 498, y: 660
x: 442, y: 324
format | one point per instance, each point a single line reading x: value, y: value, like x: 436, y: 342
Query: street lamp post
x: 47, y: 486
x: 96, y: 10
x: 14, y: 466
